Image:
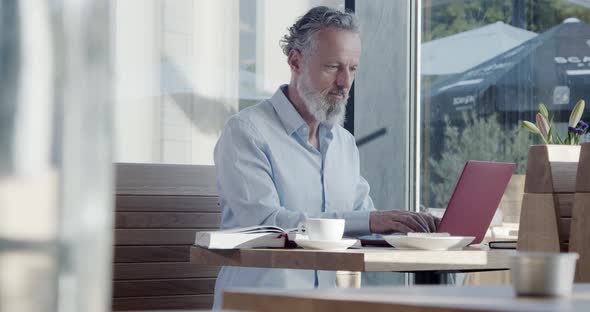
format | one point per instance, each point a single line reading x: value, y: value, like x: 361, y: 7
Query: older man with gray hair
x: 288, y: 158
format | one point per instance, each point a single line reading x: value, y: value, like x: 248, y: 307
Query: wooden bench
x: 158, y: 210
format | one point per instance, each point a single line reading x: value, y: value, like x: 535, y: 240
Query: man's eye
x: 332, y: 66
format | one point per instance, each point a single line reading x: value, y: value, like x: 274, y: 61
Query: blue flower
x: 580, y: 131
x: 582, y: 124
x: 571, y: 129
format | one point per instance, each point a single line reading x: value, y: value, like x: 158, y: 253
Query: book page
x: 256, y: 229
x: 261, y: 229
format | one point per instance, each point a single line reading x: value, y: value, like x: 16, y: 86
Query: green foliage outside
x: 455, y: 17
x: 545, y: 14
x: 477, y: 139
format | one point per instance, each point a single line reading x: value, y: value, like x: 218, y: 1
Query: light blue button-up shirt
x: 268, y: 173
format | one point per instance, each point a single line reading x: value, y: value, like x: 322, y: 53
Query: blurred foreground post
x: 55, y: 156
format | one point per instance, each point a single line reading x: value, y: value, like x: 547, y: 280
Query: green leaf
x: 576, y: 114
x: 550, y: 135
x: 543, y: 110
x: 559, y: 139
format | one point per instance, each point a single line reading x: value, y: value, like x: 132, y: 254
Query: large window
x: 184, y: 66
x: 486, y: 66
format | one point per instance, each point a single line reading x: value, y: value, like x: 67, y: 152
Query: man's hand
x: 389, y: 221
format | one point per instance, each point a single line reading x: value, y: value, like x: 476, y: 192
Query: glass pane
x: 184, y: 66
x: 56, y: 211
x: 381, y: 92
x: 486, y: 66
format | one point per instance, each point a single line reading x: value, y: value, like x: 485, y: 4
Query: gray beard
x: 319, y: 106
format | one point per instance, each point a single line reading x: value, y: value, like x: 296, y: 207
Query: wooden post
x: 548, y: 198
x: 580, y: 229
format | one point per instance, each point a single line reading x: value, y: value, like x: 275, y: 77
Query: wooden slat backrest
x: 159, y: 207
x: 164, y: 179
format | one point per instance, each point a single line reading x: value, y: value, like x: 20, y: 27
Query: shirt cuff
x: 357, y: 223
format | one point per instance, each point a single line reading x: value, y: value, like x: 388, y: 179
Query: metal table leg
x: 432, y: 278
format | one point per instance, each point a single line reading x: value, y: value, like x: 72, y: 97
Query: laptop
x: 476, y: 198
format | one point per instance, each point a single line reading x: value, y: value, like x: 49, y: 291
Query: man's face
x: 327, y: 73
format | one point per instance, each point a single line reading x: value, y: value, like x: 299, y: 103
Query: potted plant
x: 544, y: 127
x: 550, y: 182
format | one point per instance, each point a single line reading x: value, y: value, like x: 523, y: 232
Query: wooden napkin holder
x: 549, y: 191
x: 580, y: 229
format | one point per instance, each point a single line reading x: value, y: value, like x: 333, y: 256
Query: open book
x: 246, y: 237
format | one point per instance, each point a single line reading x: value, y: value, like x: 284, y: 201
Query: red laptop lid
x: 476, y: 198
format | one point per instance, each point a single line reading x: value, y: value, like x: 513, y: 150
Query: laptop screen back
x: 476, y: 198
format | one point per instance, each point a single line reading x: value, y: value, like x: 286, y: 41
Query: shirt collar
x: 289, y: 116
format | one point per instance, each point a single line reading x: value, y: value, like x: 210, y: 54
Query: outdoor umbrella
x: 459, y: 52
x: 552, y: 68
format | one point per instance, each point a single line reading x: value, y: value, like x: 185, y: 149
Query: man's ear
x: 295, y: 59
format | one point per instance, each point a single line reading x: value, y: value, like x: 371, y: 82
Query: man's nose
x: 344, y: 78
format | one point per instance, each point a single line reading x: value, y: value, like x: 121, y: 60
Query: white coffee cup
x: 543, y: 273
x: 324, y: 229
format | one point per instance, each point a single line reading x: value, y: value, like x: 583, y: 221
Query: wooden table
x: 410, y: 299
x: 427, y: 265
x: 224, y: 310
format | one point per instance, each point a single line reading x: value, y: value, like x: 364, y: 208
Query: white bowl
x: 428, y: 243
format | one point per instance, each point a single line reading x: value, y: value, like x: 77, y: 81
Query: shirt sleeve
x: 357, y: 221
x: 363, y: 206
x: 356, y: 224
x: 247, y: 192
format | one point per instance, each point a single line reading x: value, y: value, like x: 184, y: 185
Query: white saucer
x: 325, y: 245
x: 428, y: 243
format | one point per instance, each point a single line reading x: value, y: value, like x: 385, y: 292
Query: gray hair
x: 316, y: 19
